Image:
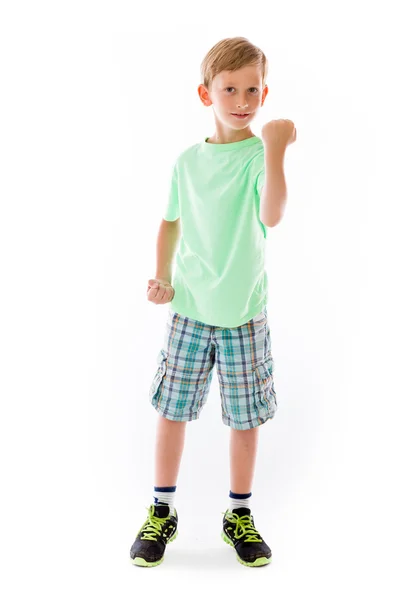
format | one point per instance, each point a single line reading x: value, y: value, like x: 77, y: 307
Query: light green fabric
x: 219, y: 276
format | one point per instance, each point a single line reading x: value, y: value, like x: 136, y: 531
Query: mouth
x: 240, y: 115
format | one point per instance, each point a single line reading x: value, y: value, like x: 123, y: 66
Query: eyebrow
x: 234, y: 84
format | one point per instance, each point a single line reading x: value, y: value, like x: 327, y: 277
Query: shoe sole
x: 259, y: 562
x: 141, y: 562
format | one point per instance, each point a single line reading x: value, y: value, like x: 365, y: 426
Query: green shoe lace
x: 153, y: 525
x: 244, y: 527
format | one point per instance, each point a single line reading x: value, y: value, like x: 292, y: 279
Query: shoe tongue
x: 240, y: 512
x: 161, y: 510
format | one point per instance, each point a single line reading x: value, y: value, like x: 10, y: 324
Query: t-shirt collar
x: 207, y: 147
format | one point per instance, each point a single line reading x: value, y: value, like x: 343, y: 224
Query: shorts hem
x: 172, y: 417
x: 248, y: 424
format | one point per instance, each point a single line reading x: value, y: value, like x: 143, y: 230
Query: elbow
x: 271, y: 222
x: 271, y: 219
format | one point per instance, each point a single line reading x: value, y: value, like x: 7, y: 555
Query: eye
x: 255, y: 90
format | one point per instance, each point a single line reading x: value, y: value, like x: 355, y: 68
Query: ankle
x: 239, y: 500
x: 165, y: 495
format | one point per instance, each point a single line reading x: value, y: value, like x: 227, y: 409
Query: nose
x: 242, y: 105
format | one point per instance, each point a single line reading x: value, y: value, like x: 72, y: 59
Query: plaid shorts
x: 244, y: 366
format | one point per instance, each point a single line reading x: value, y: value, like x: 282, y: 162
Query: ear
x: 204, y: 95
x: 264, y: 94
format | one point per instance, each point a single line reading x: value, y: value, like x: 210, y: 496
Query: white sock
x: 165, y: 495
x: 239, y: 500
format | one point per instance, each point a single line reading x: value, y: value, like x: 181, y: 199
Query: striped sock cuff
x: 239, y: 500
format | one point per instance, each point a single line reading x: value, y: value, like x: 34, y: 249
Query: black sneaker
x: 160, y: 529
x: 238, y: 531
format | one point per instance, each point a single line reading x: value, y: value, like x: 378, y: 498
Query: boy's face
x: 235, y: 92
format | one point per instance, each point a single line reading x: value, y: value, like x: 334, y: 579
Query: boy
x: 219, y: 294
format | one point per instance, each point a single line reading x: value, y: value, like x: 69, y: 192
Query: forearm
x: 168, y: 236
x: 274, y: 193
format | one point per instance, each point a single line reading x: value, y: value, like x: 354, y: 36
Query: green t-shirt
x: 219, y: 276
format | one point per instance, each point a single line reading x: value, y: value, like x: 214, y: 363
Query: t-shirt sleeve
x: 171, y: 212
x: 260, y: 182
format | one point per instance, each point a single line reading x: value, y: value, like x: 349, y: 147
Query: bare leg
x: 170, y: 441
x: 243, y: 451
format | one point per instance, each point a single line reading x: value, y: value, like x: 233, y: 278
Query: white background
x: 97, y: 99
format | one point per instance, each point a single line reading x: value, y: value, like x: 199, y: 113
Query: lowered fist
x: 160, y: 291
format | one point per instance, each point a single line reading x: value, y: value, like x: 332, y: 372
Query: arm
x: 276, y: 136
x: 168, y: 236
x: 274, y: 193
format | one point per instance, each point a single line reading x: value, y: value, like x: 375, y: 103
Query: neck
x: 226, y: 135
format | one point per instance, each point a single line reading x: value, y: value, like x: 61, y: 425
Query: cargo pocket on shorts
x: 264, y: 390
x: 155, y: 388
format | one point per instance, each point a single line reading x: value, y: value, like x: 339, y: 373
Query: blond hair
x: 231, y: 54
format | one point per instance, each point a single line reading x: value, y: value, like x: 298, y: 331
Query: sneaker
x: 238, y: 530
x: 159, y: 530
